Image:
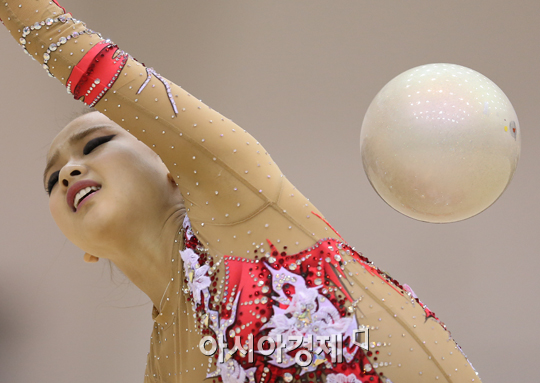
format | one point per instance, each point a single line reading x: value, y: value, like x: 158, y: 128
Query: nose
x: 70, y: 172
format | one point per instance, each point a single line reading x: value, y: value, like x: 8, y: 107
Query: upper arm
x: 227, y: 178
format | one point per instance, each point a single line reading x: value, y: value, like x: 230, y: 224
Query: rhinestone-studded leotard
x: 255, y: 259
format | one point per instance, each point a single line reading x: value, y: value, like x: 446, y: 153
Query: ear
x: 89, y: 258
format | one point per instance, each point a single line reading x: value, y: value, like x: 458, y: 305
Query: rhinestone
x: 263, y: 319
x: 264, y: 299
x: 46, y: 56
x: 350, y: 309
x: 265, y: 289
x: 367, y: 367
x: 318, y: 281
x: 37, y: 26
x: 292, y: 266
x: 271, y: 260
x: 62, y: 40
x: 327, y: 259
x: 75, y: 35
x: 260, y: 283
x: 287, y: 377
x: 45, y: 66
x: 337, y: 257
x: 22, y: 40
x: 49, y: 21
x: 26, y: 31
x: 232, y: 333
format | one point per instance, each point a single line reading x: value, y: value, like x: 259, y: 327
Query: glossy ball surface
x: 440, y: 143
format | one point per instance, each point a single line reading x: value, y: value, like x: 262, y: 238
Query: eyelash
x: 94, y: 143
x: 88, y: 148
x: 53, y: 179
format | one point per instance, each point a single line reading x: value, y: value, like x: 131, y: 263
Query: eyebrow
x: 73, y: 139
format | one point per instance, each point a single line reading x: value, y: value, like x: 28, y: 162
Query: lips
x: 79, y: 191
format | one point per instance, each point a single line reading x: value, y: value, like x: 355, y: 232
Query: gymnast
x: 248, y: 281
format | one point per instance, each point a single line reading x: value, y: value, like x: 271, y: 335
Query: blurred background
x: 299, y: 75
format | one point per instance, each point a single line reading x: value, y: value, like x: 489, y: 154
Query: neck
x: 146, y: 261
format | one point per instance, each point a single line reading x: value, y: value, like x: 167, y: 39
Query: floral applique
x: 341, y: 378
x: 197, y: 267
x: 186, y: 225
x: 282, y: 296
x: 279, y: 296
x: 196, y: 275
x: 229, y: 369
x: 309, y: 316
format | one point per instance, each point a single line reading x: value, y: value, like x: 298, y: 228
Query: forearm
x: 228, y: 180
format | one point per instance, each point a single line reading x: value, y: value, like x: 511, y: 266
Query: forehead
x: 75, y: 131
x: 79, y: 125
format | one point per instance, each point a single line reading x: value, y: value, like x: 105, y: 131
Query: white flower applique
x: 342, y: 378
x: 187, y: 227
x: 196, y: 275
x: 307, y: 314
x: 232, y: 372
x: 228, y: 368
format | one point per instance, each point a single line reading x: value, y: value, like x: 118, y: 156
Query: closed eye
x: 95, y: 142
x: 88, y: 148
x: 53, y: 179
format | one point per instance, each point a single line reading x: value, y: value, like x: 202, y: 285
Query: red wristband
x: 97, y: 71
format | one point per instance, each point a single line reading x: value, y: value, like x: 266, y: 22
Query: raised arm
x: 237, y: 199
x: 234, y: 192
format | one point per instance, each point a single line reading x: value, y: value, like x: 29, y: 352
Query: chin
x: 96, y: 229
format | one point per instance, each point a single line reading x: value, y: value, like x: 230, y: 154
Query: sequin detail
x: 97, y: 71
x: 267, y: 298
x: 149, y: 73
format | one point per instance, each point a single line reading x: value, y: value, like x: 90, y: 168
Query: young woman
x: 251, y: 284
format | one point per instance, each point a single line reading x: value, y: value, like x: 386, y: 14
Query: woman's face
x: 104, y: 184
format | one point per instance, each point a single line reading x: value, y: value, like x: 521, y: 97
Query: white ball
x: 440, y: 143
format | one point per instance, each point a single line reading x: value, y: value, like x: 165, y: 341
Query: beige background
x: 299, y: 75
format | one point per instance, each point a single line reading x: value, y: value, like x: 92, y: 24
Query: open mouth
x: 84, y: 193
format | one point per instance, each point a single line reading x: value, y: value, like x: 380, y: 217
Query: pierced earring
x: 89, y: 258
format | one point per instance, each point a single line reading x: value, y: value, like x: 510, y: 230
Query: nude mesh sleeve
x: 235, y: 194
